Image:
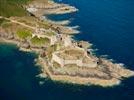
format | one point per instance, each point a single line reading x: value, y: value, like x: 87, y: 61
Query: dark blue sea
x: 107, y: 24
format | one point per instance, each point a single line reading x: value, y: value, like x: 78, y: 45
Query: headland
x: 61, y: 58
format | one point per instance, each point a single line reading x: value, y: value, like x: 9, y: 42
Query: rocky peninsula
x: 60, y: 57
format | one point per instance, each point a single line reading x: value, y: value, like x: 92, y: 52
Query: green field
x: 40, y: 41
x: 12, y: 8
x: 24, y: 34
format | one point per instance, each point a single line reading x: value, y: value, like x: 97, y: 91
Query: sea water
x: 108, y: 24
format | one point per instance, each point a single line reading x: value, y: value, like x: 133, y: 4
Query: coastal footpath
x: 60, y: 57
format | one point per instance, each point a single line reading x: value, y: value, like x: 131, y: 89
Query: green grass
x: 10, y: 8
x: 50, y: 33
x: 24, y: 34
x: 40, y: 41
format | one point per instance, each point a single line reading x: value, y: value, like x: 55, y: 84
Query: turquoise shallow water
x: 108, y: 24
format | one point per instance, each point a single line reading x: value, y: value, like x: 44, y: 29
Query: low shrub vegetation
x: 24, y: 34
x: 10, y: 8
x: 40, y: 41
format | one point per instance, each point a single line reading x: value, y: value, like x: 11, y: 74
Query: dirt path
x: 20, y: 23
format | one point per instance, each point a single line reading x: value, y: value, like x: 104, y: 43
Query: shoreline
x: 66, y: 59
x: 64, y: 78
x: 77, y: 80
